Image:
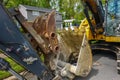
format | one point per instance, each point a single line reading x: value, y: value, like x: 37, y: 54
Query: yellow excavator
x: 102, y: 25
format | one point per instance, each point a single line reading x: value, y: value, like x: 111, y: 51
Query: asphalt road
x: 104, y: 67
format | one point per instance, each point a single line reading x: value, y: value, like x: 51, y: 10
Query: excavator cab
x: 113, y: 18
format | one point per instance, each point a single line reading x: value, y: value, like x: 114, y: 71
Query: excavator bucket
x: 76, y: 49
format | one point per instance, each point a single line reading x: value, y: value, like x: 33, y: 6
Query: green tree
x: 71, y: 9
x: 38, y: 3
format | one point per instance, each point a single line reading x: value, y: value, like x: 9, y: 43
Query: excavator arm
x: 15, y: 45
x: 94, y: 8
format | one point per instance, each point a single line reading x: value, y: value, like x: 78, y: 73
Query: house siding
x: 31, y: 17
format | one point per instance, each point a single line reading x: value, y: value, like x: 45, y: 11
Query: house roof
x: 38, y: 9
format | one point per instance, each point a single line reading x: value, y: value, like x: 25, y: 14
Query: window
x: 35, y: 13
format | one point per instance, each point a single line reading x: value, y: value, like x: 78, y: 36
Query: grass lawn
x: 15, y: 66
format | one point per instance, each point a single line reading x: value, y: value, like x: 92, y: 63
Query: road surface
x: 104, y: 67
